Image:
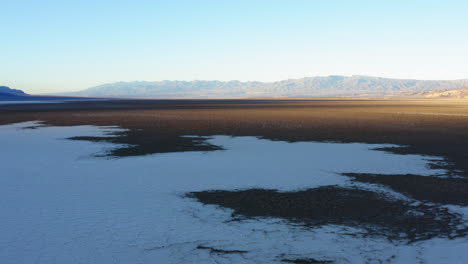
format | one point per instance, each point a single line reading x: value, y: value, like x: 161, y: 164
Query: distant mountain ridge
x: 8, y: 94
x: 327, y: 86
x: 8, y: 90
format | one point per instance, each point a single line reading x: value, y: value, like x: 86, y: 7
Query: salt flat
x: 62, y: 204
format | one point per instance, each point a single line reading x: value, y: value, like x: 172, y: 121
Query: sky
x: 57, y: 46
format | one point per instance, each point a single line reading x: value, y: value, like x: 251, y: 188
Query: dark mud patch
x: 140, y: 142
x: 222, y: 251
x: 377, y: 214
x: 306, y: 261
x: 450, y: 165
x: 33, y: 127
x: 447, y: 190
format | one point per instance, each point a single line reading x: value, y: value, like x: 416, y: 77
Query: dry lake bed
x: 65, y: 201
x: 95, y: 188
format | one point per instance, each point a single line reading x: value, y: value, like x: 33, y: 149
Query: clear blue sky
x: 49, y: 46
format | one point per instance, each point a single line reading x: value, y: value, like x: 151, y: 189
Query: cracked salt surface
x: 60, y: 204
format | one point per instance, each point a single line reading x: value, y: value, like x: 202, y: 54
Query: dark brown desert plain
x: 425, y: 127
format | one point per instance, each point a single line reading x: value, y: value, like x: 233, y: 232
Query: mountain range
x: 328, y: 86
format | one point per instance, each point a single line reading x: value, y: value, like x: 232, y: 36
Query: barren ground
x: 427, y: 127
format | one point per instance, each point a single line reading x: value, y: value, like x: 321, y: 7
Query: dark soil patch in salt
x: 222, y: 251
x: 306, y: 261
x: 380, y: 216
x: 140, y: 142
x: 423, y: 188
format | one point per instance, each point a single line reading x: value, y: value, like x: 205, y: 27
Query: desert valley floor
x: 234, y: 181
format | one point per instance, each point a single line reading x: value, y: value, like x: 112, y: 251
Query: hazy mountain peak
x: 8, y: 90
